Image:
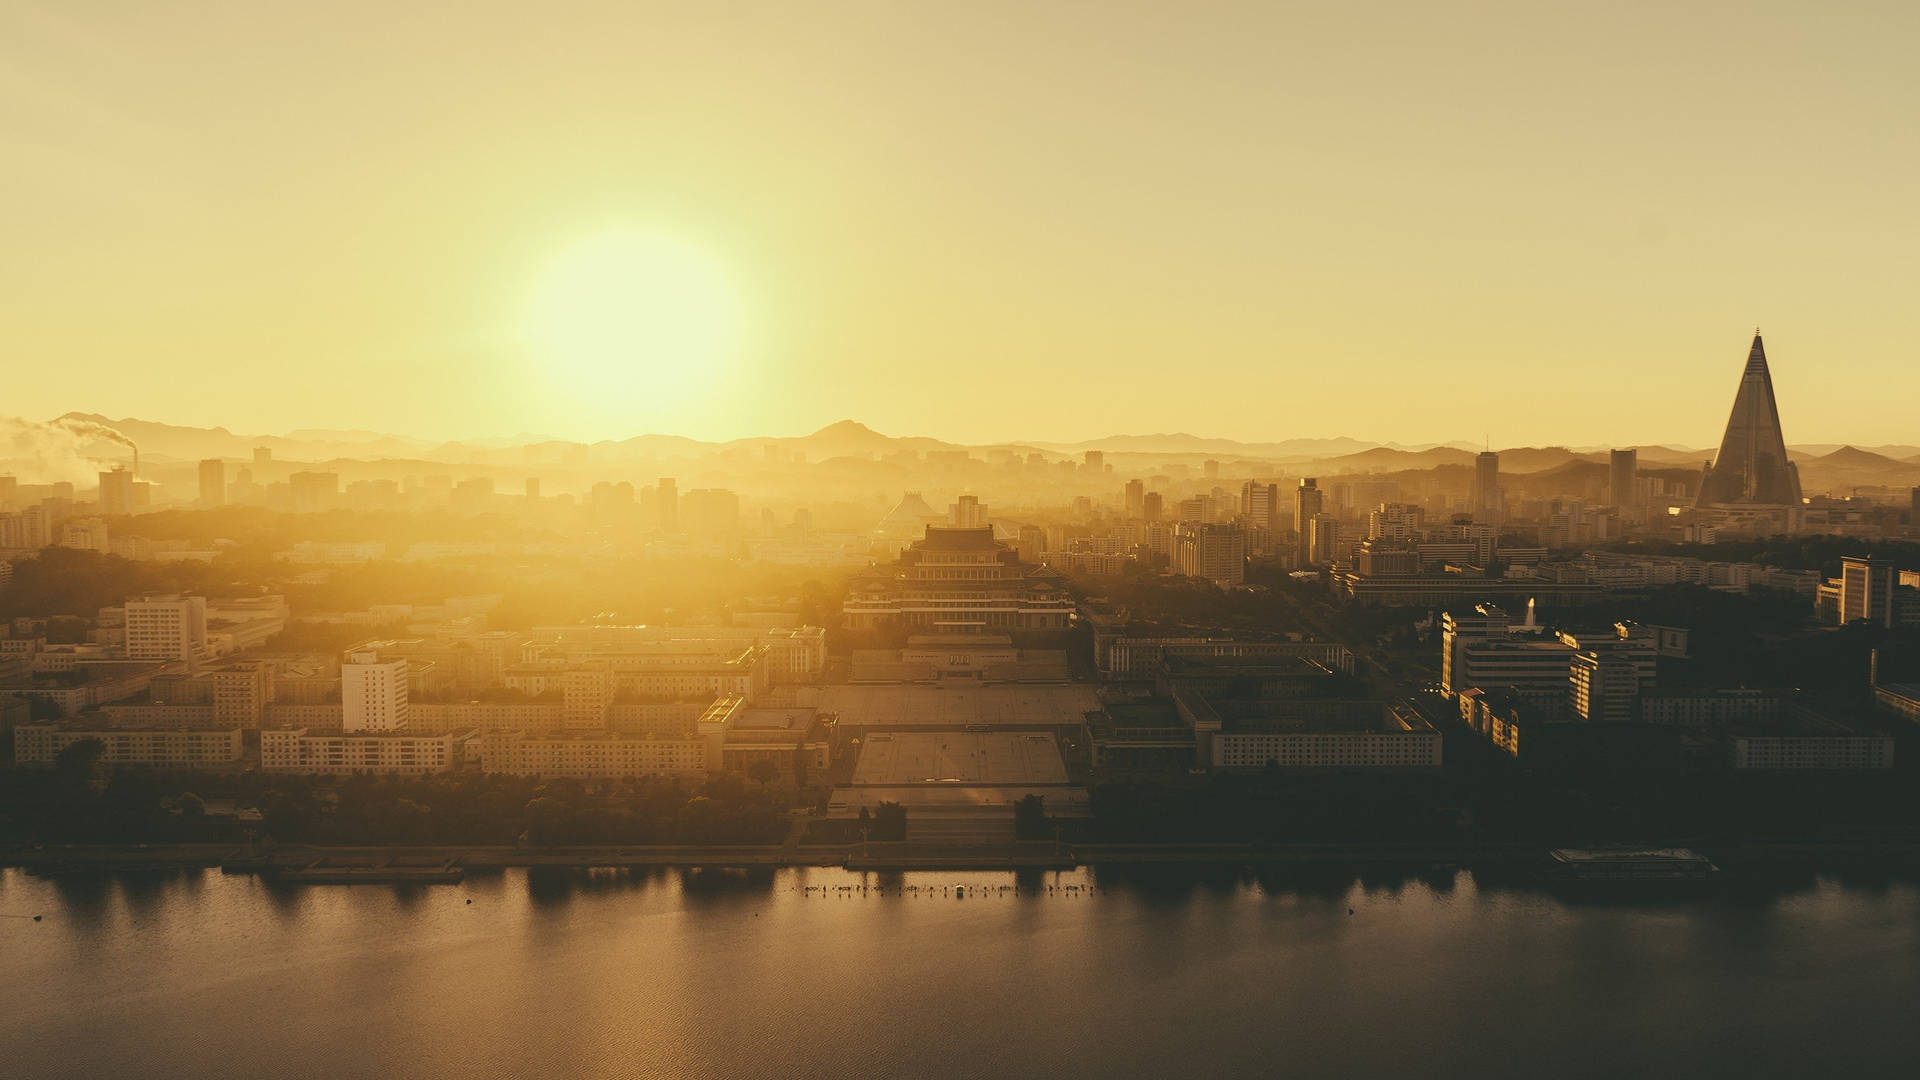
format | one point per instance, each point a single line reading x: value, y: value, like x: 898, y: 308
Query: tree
x: 1030, y: 818
x: 77, y: 760
x: 548, y: 820
x: 890, y: 821
x: 190, y: 806
x: 764, y: 771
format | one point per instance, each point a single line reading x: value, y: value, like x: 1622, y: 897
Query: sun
x: 633, y: 311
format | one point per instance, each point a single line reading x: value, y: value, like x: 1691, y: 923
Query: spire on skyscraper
x: 1752, y: 466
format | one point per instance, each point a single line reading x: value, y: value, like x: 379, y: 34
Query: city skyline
x: 1081, y: 437
x: 641, y: 538
x: 1754, y: 397
x: 719, y: 224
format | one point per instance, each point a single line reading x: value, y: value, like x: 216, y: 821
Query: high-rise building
x: 1323, y: 540
x: 471, y: 496
x: 1752, y: 467
x: 1033, y: 543
x: 1308, y: 501
x: 1260, y: 503
x: 1623, y: 475
x: 86, y: 534
x: 1603, y: 686
x: 213, y: 482
x: 262, y: 457
x: 1137, y: 498
x: 116, y: 491
x: 667, y: 499
x: 314, y: 492
x: 1395, y: 522
x: 1866, y: 590
x: 1216, y: 552
x: 373, y: 695
x: 1210, y: 469
x: 1096, y: 461
x: 1486, y: 499
x: 241, y: 693
x: 711, y: 511
x: 166, y: 628
x: 967, y: 513
x: 1152, y: 506
x: 32, y: 527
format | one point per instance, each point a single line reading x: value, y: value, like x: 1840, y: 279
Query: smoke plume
x: 49, y: 452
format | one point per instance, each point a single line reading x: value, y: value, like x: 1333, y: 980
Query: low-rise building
x: 1312, y: 734
x: 1124, y: 656
x: 795, y: 654
x: 599, y: 755
x: 177, y: 748
x: 84, y: 684
x: 1800, y: 740
x: 1141, y: 737
x: 340, y: 752
x: 1899, y: 699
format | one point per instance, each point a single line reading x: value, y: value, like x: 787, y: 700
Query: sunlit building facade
x: 959, y: 580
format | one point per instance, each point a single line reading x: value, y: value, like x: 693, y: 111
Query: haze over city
x: 908, y: 539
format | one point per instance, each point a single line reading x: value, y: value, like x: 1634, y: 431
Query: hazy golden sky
x: 1414, y: 221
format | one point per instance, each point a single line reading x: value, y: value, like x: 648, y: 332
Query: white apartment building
x: 373, y: 695
x: 166, y: 628
x: 299, y: 750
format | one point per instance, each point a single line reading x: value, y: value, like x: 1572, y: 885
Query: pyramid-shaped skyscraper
x: 1752, y: 467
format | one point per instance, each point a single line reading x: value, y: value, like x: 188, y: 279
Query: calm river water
x: 1167, y: 974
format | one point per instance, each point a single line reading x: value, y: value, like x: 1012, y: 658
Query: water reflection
x: 1153, y: 970
x: 713, y: 887
x: 83, y: 897
x: 556, y: 886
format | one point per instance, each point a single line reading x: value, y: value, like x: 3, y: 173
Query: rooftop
x: 1310, y: 717
x: 950, y: 538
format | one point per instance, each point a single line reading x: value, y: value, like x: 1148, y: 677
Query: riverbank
x: 327, y: 863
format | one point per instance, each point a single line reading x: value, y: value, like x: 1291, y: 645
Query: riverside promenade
x: 427, y: 864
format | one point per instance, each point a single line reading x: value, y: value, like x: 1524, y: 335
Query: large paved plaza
x: 956, y: 771
x: 957, y: 757
x: 959, y: 705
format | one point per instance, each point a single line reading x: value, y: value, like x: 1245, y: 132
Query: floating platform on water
x: 1629, y: 864
x: 371, y: 875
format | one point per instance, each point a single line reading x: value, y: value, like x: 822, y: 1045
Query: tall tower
x: 213, y: 482
x: 1307, y: 502
x: 1623, y: 468
x: 1752, y: 466
x: 1259, y: 503
x: 116, y: 491
x: 1486, y: 487
x: 667, y: 498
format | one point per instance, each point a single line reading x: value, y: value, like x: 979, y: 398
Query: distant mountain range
x: 1820, y: 464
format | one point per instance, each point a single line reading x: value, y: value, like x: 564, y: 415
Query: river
x: 1172, y: 973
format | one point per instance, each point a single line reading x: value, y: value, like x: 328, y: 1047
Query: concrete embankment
x: 446, y: 863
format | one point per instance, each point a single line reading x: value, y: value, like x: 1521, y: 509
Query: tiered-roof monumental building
x: 959, y: 580
x: 1752, y: 470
